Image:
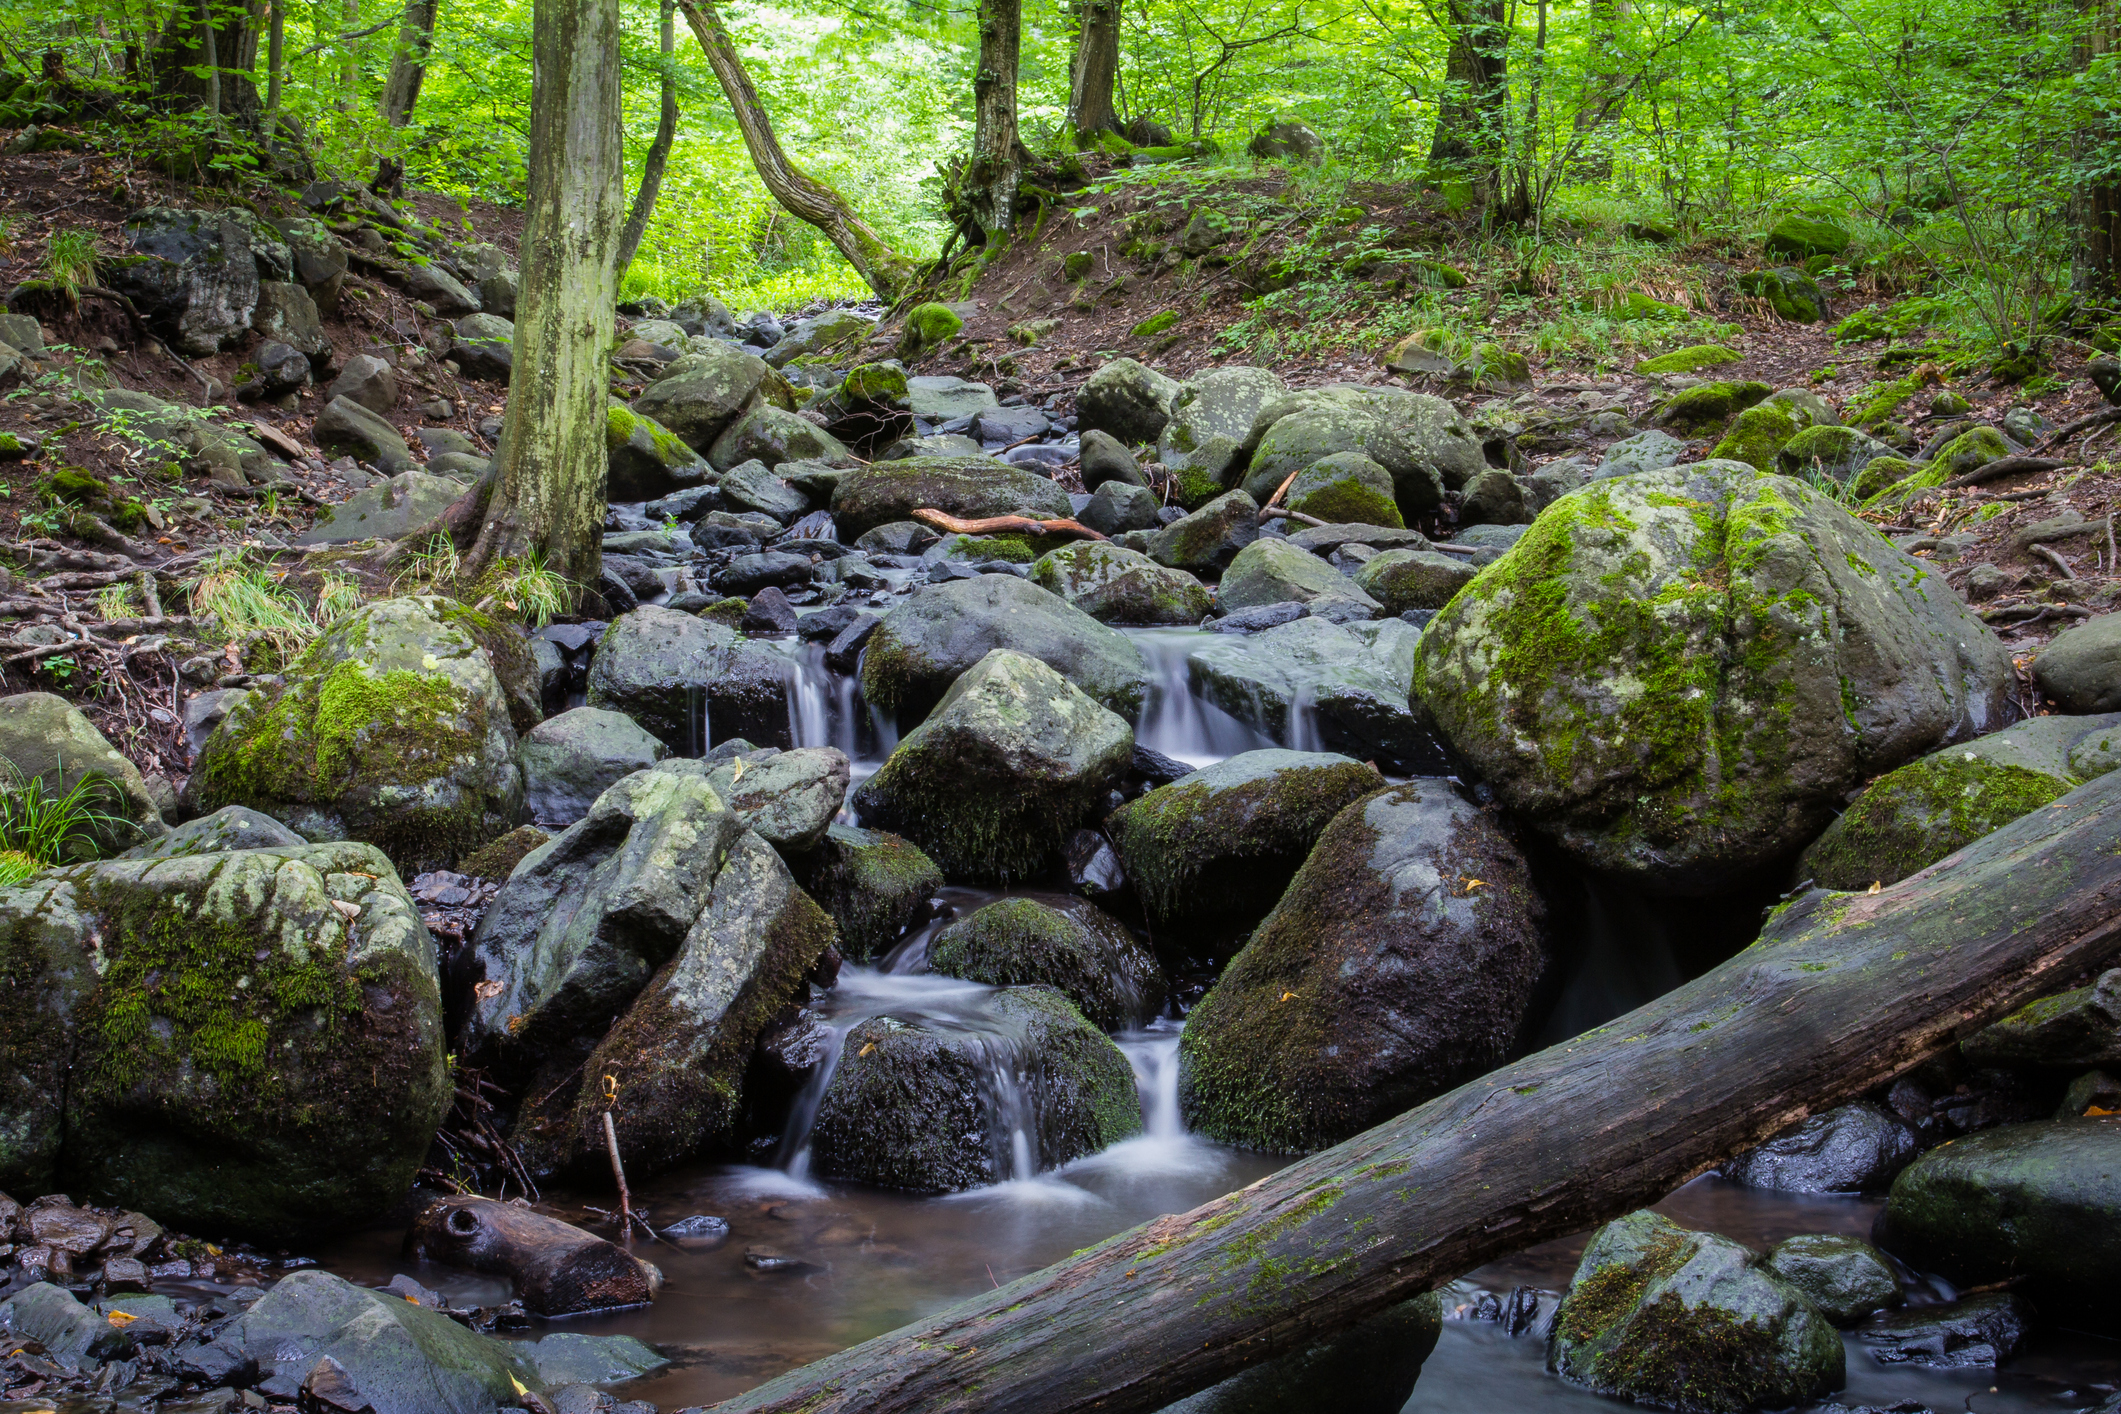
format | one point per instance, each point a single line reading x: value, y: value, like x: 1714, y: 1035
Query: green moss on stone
x: 1155, y: 324
x: 1710, y: 404
x: 1690, y: 360
x: 1909, y: 819
x: 1757, y: 435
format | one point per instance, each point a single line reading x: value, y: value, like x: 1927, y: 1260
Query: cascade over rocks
x: 1064, y: 943
x: 1680, y: 675
x: 689, y: 682
x: 244, y: 1043
x: 1013, y: 758
x: 1383, y: 977
x: 1347, y: 687
x: 874, y: 884
x: 394, y: 728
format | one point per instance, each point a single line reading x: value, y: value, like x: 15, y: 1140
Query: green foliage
x: 70, y: 261
x: 48, y: 826
x: 252, y: 603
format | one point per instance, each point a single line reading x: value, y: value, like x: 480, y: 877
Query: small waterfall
x: 826, y: 708
x: 1176, y: 721
x: 1154, y: 1056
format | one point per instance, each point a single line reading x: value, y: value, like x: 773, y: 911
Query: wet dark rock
x: 750, y: 486
x: 571, y: 759
x: 1846, y: 1279
x: 972, y: 487
x: 1350, y: 684
x: 699, y: 1230
x: 1979, y: 1332
x: 1155, y: 767
x: 826, y: 624
x: 1855, y: 1149
x: 1120, y: 506
x: 1218, y: 846
x: 688, y: 681
x: 769, y: 612
x: 1064, y: 943
x: 1421, y: 977
x: 843, y: 653
x: 1093, y: 866
x: 1106, y: 460
x: 2033, y: 1203
x: 556, y: 1269
x: 72, y: 1335
x: 1368, y: 1369
x: 484, y: 347
x: 909, y: 1105
x: 1689, y: 1321
x: 1259, y: 617
x: 787, y: 797
x: 1209, y: 538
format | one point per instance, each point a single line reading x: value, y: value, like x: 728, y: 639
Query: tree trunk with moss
x: 1472, y: 116
x: 205, y: 56
x: 548, y: 491
x: 658, y: 157
x: 1095, y: 72
x: 408, y: 63
x: 997, y: 166
x: 1842, y: 993
x: 804, y: 196
x: 2095, y: 269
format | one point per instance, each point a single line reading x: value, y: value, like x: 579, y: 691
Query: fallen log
x: 1841, y: 993
x: 556, y: 1268
x: 994, y: 525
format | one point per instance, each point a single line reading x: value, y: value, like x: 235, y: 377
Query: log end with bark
x: 556, y: 1268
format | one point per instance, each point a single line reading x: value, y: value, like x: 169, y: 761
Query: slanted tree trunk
x: 1095, y: 72
x: 408, y: 63
x: 2095, y: 269
x: 666, y: 132
x: 998, y: 154
x: 548, y: 489
x: 1472, y: 116
x: 1841, y: 993
x: 804, y: 196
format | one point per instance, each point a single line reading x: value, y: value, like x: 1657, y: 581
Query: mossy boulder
x: 1970, y: 451
x: 2068, y: 1031
x: 245, y: 1044
x: 1845, y: 1278
x: 1064, y: 943
x: 1381, y: 979
x: 1216, y: 405
x: 1757, y: 435
x: 1910, y: 818
x: 1680, y: 675
x: 648, y: 460
x: 1346, y: 488
x: 2080, y: 668
x: 1789, y: 291
x: 1800, y: 237
x: 874, y: 884
x: 1707, y: 406
x: 46, y: 739
x: 1695, y: 358
x: 1276, y: 572
x: 773, y: 435
x: 1423, y: 441
x: 831, y: 331
x: 1208, y: 539
x: 943, y: 630
x: 1882, y: 473
x: 1690, y: 1321
x: 571, y: 759
x: 909, y: 1105
x: 1115, y: 585
x: 1413, y: 579
x: 1217, y: 847
x: 1922, y: 477
x: 2032, y: 1204
x: 1127, y: 399
x: 696, y: 397
x: 689, y: 682
x: 1841, y: 453
x: 1012, y: 759
x: 1318, y: 685
x: 973, y: 487
x: 928, y: 326
x: 394, y: 728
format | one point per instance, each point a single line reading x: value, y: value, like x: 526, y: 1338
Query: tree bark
x: 205, y: 56
x: 805, y: 197
x: 1841, y: 993
x: 350, y: 59
x: 666, y: 132
x: 2095, y: 268
x: 1472, y: 115
x: 408, y: 63
x: 997, y: 152
x: 1095, y: 72
x: 275, y: 65
x: 548, y: 496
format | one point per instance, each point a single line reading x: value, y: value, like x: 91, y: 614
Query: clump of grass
x: 45, y: 826
x: 337, y: 596
x: 250, y: 601
x: 70, y: 261
x: 430, y: 567
x: 535, y: 593
x: 115, y: 601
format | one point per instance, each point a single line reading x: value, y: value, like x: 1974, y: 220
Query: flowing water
x: 809, y: 1267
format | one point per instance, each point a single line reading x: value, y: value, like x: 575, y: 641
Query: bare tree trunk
x: 275, y: 65
x: 1472, y: 116
x: 1095, y: 72
x: 2095, y: 268
x: 997, y: 152
x: 205, y: 55
x: 666, y: 132
x: 1841, y: 993
x: 548, y: 489
x: 408, y: 63
x: 350, y: 59
x: 888, y: 273
x: 210, y: 58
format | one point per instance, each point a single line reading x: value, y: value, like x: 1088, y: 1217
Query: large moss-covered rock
x: 1970, y: 451
x: 1413, y: 579
x: 773, y: 435
x: 1912, y: 817
x: 689, y: 682
x: 1689, y: 1321
x: 1800, y: 237
x: 909, y: 1105
x: 1345, y: 488
x: 1276, y: 572
x: 1385, y: 976
x: 1841, y: 453
x: 1217, y: 403
x: 972, y: 487
x: 939, y: 632
x: 1064, y: 943
x: 1423, y: 441
x: 1681, y: 674
x: 1220, y: 845
x: 1116, y: 585
x: 1210, y: 537
x: 394, y: 728
x: 2071, y: 1030
x: 2038, y: 1205
x: 1709, y: 405
x: 1012, y: 759
x: 1127, y: 399
x: 243, y: 1043
x: 648, y: 460
x: 1846, y: 1279
x: 1791, y: 293
x: 831, y: 331
x: 1370, y: 1368
x: 46, y: 739
x: 1317, y: 685
x: 874, y: 884
x: 1757, y: 436
x: 1313, y: 434
x: 698, y: 396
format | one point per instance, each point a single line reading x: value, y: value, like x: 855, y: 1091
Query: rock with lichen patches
x: 875, y: 885
x: 1276, y: 572
x: 648, y: 460
x: 698, y: 396
x: 1399, y: 962
x: 1346, y: 488
x: 1012, y: 759
x: 1057, y: 941
x: 1115, y: 585
x: 1680, y: 675
x: 394, y: 727
x: 1423, y: 441
x: 47, y: 739
x: 1689, y: 1321
x: 688, y: 681
x: 971, y: 487
x: 246, y: 1043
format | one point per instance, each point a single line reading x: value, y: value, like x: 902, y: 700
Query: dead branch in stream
x: 995, y: 525
x: 1842, y: 993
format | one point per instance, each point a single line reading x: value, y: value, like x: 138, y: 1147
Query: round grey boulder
x: 571, y: 759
